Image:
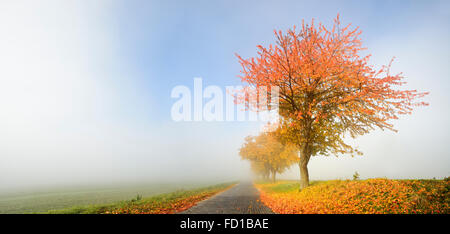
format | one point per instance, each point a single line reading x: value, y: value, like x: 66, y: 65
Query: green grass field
x: 167, y: 203
x: 58, y: 198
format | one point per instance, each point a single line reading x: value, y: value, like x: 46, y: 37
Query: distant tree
x: 267, y: 155
x: 356, y: 176
x: 327, y: 89
x: 261, y: 169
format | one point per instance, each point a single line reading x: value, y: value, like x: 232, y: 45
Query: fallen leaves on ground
x: 372, y: 196
x: 168, y: 205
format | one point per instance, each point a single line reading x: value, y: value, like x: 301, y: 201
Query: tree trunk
x: 303, y: 164
x: 273, y: 176
x: 304, y: 176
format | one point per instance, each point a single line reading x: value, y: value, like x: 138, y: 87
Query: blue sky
x: 170, y: 42
x: 85, y: 87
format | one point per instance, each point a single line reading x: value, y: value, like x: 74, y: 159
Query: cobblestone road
x: 240, y: 199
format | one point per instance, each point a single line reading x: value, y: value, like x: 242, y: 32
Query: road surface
x: 240, y: 199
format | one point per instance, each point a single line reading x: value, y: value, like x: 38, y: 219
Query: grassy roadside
x: 372, y: 196
x: 168, y: 203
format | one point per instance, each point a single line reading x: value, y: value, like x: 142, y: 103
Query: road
x: 240, y: 199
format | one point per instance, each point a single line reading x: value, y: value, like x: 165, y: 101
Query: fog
x: 80, y: 104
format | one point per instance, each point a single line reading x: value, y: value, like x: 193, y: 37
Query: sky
x: 85, y: 87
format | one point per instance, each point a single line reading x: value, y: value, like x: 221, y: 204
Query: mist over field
x: 85, y: 89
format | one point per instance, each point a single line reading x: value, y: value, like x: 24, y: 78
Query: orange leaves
x: 328, y: 65
x: 267, y: 155
x: 161, y: 208
x: 327, y: 86
x: 167, y: 205
x: 373, y: 196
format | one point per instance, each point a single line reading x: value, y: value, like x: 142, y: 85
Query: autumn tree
x: 327, y: 89
x: 267, y: 155
x: 260, y: 168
